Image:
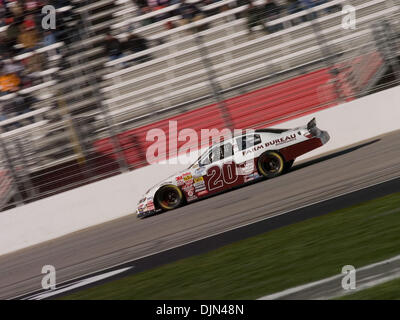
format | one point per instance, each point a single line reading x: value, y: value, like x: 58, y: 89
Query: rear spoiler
x: 312, y: 128
x: 312, y: 124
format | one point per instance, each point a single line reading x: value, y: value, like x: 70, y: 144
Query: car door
x: 220, y: 168
x: 247, y: 147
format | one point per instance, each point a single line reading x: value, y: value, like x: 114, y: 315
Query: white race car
x: 264, y: 153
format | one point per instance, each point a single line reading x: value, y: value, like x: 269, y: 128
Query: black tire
x: 169, y: 197
x: 270, y: 164
x: 288, y: 166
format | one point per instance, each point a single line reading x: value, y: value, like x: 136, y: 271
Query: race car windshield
x: 196, y: 163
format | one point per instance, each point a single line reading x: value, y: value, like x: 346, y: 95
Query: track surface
x: 129, y: 238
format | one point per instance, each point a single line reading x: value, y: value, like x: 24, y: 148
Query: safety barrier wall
x: 109, y: 199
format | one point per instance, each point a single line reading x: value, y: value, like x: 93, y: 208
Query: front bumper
x: 145, y: 214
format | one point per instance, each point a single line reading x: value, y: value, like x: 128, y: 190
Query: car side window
x: 215, y: 154
x: 218, y: 153
x: 227, y: 150
x: 249, y: 141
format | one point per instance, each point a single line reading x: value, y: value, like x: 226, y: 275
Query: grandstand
x: 87, y: 109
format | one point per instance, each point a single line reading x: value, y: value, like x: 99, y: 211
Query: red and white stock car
x: 264, y: 153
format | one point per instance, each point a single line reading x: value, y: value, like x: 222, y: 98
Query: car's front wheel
x: 270, y: 164
x: 169, y: 197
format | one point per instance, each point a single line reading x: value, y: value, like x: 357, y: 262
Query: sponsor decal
x: 198, y: 180
x: 252, y: 150
x: 192, y: 198
x: 188, y: 178
x: 188, y: 189
x: 200, y: 188
x: 250, y: 177
x: 280, y: 141
x: 202, y: 193
x: 276, y: 142
x: 179, y: 180
x: 199, y: 184
x: 200, y: 172
x: 150, y: 206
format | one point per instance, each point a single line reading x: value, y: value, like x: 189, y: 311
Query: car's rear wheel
x: 169, y: 197
x: 270, y: 164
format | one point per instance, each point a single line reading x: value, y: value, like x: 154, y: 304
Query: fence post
x: 18, y: 196
x: 85, y: 33
x: 387, y: 44
x: 213, y: 82
x: 27, y: 182
x: 329, y: 57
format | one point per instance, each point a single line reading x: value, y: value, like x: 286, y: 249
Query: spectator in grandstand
x: 113, y: 47
x: 3, y: 22
x: 308, y: 4
x: 23, y: 104
x: 17, y: 11
x: 240, y: 3
x: 135, y: 43
x: 29, y: 22
x: 49, y: 38
x: 34, y: 64
x: 12, y: 34
x: 28, y: 38
x: 9, y: 82
x: 7, y: 110
x: 295, y: 6
x: 213, y: 11
x: 18, y: 105
x: 336, y: 7
x: 155, y: 5
x: 12, y: 67
x: 31, y: 6
x: 68, y: 29
x: 190, y: 12
x: 272, y: 12
x: 140, y: 3
x: 4, y: 47
x: 2, y: 10
x: 60, y: 3
x: 254, y: 15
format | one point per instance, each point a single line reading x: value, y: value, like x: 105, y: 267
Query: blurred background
x: 77, y: 101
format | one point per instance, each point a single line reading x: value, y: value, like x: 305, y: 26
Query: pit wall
x: 109, y: 199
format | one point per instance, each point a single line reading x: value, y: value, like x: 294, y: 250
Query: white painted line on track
x: 366, y: 285
x: 77, y: 284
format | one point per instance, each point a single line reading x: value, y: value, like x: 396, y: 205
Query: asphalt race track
x: 129, y: 238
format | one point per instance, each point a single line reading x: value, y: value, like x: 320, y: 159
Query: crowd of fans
x: 21, y: 32
x: 257, y: 14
